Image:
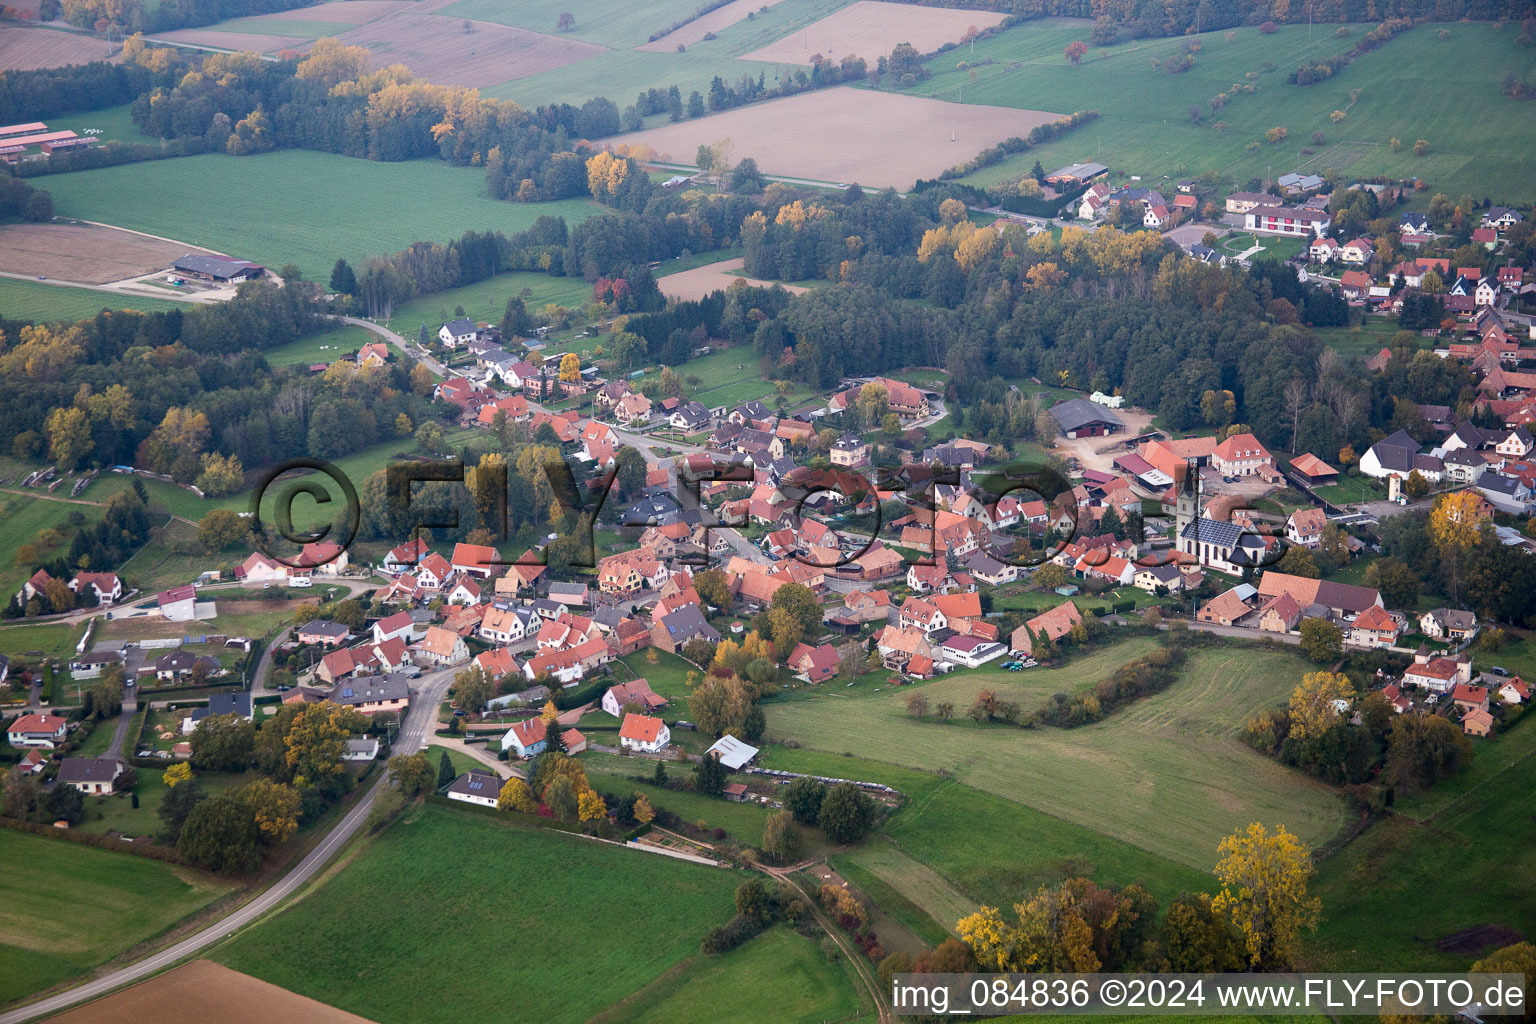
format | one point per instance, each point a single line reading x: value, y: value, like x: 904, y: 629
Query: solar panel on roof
x: 476, y: 784
x: 347, y: 692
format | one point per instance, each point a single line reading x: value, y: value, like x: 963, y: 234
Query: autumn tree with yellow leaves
x: 1072, y: 927
x: 1264, y: 893
x: 1312, y: 707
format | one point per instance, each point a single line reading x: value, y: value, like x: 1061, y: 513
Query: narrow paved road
x: 413, y: 737
x: 120, y: 732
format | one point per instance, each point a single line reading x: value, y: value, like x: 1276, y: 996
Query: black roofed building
x: 1221, y: 545
x: 217, y: 268
x: 475, y: 787
x: 90, y: 775
x: 1078, y: 417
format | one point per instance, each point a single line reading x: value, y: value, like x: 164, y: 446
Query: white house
x: 644, y: 733
x: 481, y: 788
x: 44, y: 731
x: 970, y: 651
x: 106, y: 586
x: 93, y: 776
x: 178, y: 604
x: 1285, y: 220
x: 457, y: 332
x: 399, y: 625
x: 527, y: 738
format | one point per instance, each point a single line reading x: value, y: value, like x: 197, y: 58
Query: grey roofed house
x: 1454, y: 618
x: 369, y: 689
x: 732, y: 752
x: 216, y: 267
x: 568, y: 593
x: 687, y: 623
x: 753, y: 410
x: 463, y: 325
x: 1396, y: 452
x: 1414, y: 223
x: 1471, y: 435
x: 1464, y: 457
x: 1077, y: 413
x: 984, y: 564
x: 77, y: 770
x: 1205, y: 254
x: 322, y: 627
x: 365, y: 749
x: 477, y: 784
x: 224, y: 704
x: 1166, y: 574
x: 692, y: 415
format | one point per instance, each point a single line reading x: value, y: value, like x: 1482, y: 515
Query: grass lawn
x: 780, y: 968
x: 114, y: 123
x: 26, y: 513
x: 117, y: 814
x: 1363, y: 340
x: 730, y: 377
x: 1145, y: 129
x: 1167, y: 774
x: 668, y: 677
x: 44, y: 303
x: 921, y: 899
x: 1352, y: 489
x: 448, y: 886
x: 53, y: 640
x: 487, y: 300
x: 1480, y: 829
x: 69, y: 907
x: 297, y: 206
x: 321, y: 348
x: 461, y: 761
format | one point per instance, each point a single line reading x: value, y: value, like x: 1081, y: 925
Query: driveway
x: 1100, y: 452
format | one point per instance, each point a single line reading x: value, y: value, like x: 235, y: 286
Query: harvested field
x: 353, y: 12
x: 845, y: 135
x: 440, y: 51
x: 700, y: 281
x: 714, y: 21
x: 87, y: 253
x: 869, y: 29
x: 254, y: 42
x: 24, y: 49
x: 202, y: 991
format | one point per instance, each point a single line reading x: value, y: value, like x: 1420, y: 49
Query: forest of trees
x: 166, y: 391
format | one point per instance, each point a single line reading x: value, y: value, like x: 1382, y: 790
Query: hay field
x: 848, y: 135
x: 232, y: 39
x: 440, y: 51
x: 25, y: 49
x: 351, y: 12
x: 87, y: 253
x: 700, y: 281
x: 869, y: 29
x: 713, y: 22
x: 1167, y: 774
x: 202, y: 991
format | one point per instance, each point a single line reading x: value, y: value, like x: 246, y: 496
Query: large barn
x: 1078, y: 417
x: 216, y: 268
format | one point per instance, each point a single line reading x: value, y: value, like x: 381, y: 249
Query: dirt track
x: 83, y: 252
x: 869, y: 29
x: 848, y: 135
x: 203, y: 991
x: 24, y: 49
x: 700, y: 281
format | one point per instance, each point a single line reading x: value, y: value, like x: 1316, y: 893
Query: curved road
x: 412, y: 737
